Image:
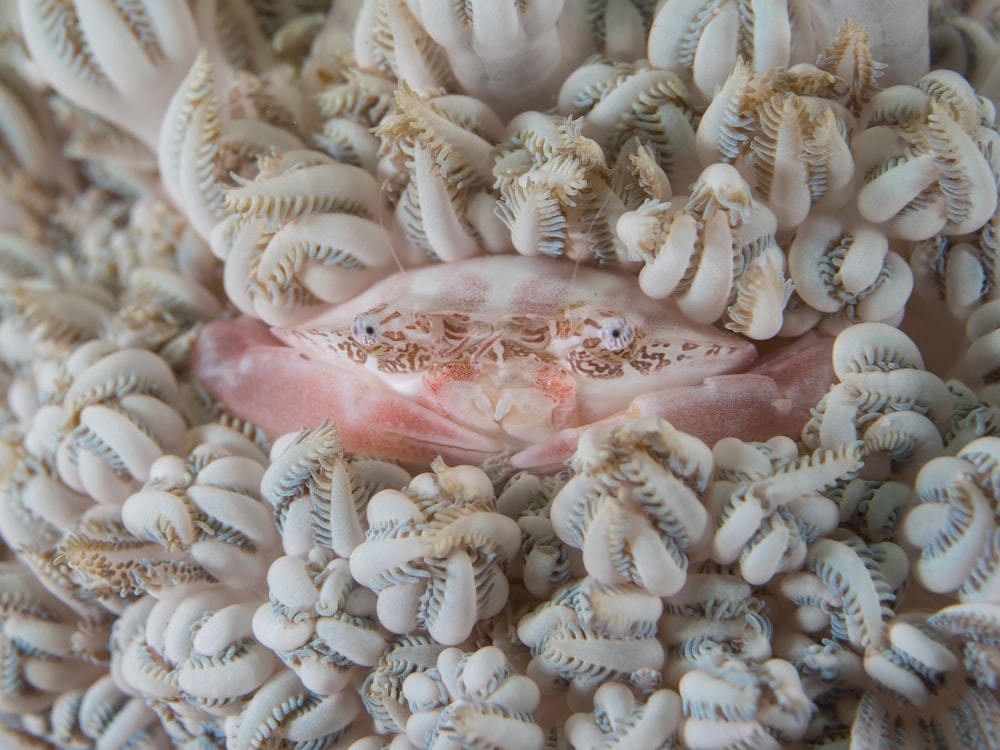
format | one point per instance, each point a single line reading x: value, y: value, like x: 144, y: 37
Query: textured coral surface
x: 302, y: 449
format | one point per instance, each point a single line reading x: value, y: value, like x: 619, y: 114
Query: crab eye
x: 617, y: 334
x: 366, y: 330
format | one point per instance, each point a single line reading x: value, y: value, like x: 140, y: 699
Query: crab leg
x: 254, y: 375
x: 773, y: 398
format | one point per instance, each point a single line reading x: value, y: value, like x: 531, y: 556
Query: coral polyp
x: 507, y: 373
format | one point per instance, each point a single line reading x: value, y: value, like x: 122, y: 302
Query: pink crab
x: 504, y: 354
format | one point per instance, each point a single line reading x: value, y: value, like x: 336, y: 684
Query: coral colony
x: 499, y: 374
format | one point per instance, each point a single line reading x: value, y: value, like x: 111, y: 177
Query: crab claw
x: 773, y: 398
x: 252, y: 374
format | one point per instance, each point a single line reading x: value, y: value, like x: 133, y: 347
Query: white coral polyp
x: 38, y: 635
x: 208, y: 507
x: 954, y: 524
x: 589, y: 632
x: 125, y: 64
x: 619, y: 721
x: 197, y: 654
x: 848, y: 270
x: 928, y: 156
x: 285, y: 713
x: 701, y: 41
x: 768, y: 503
x: 472, y: 698
x: 319, y: 622
x: 713, y: 253
x: 122, y: 412
x: 886, y: 399
x: 713, y: 619
x: 319, y: 493
x: 748, y: 705
x: 634, y: 505
x: 435, y: 553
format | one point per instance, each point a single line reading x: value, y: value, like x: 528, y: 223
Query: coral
x: 686, y: 36
x: 953, y: 524
x: 768, y: 504
x: 926, y: 156
x: 557, y: 192
x: 319, y: 493
x: 619, y: 721
x: 435, y: 553
x: 715, y: 256
x: 319, y: 622
x: 633, y: 504
x: 267, y: 297
x: 121, y: 412
x: 125, y: 63
x: 284, y: 714
x: 741, y: 705
x: 589, y: 632
x: 472, y: 698
x: 885, y: 398
x: 848, y: 274
x: 439, y: 153
x: 714, y: 619
x: 849, y: 587
x: 194, y: 657
x: 207, y: 508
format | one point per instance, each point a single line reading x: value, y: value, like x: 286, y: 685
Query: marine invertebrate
x: 849, y: 587
x: 920, y: 684
x: 44, y: 319
x: 953, y: 525
x: 195, y: 656
x: 472, y: 698
x: 40, y: 635
x: 437, y: 153
x: 208, y: 508
x: 685, y: 34
x: 487, y: 46
x: 787, y: 133
x: 978, y: 361
x: 623, y: 104
x: 435, y: 552
x: 715, y: 256
x: 846, y: 273
x: 633, y: 504
x: 590, y: 631
x: 545, y: 562
x: 506, y: 357
x: 382, y: 691
x: 715, y: 618
x: 557, y: 191
x: 121, y: 412
x: 936, y: 133
x: 885, y: 398
x: 768, y: 505
x: 301, y: 235
x: 302, y: 717
x: 159, y: 307
x: 740, y: 703
x: 104, y: 713
x: 319, y: 493
x: 619, y: 720
x: 125, y: 64
x: 109, y: 251
x: 319, y: 622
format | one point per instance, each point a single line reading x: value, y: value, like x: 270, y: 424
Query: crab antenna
x: 382, y: 191
x: 590, y: 229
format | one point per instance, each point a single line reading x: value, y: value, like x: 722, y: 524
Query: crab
x: 504, y: 354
